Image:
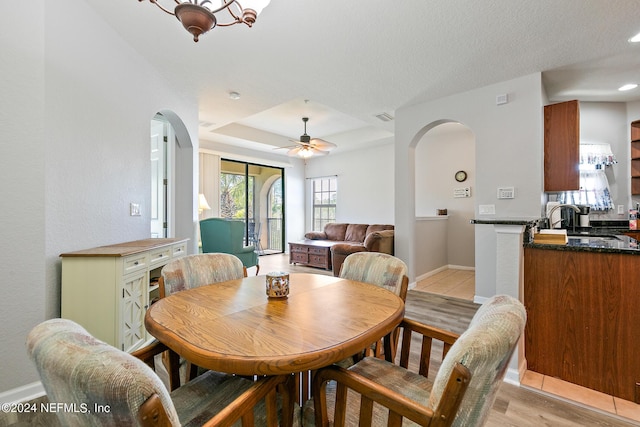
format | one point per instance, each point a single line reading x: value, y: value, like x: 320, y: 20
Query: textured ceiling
x: 342, y: 63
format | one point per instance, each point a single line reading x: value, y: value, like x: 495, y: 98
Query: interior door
x: 158, y: 209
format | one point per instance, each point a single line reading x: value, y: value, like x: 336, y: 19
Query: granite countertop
x: 604, y: 240
x: 506, y: 221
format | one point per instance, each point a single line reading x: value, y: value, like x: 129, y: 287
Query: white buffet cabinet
x: 107, y: 289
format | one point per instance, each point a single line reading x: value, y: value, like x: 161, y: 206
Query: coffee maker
x: 574, y: 220
x: 583, y: 216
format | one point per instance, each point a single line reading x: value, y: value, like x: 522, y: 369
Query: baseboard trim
x: 23, y: 394
x: 512, y: 376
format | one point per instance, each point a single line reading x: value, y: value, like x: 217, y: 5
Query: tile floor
x: 450, y: 282
x: 461, y: 284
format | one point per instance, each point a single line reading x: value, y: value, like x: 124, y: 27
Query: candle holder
x: 277, y: 284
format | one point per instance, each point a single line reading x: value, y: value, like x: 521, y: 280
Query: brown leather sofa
x: 352, y: 238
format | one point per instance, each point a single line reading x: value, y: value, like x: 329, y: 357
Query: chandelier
x: 199, y: 16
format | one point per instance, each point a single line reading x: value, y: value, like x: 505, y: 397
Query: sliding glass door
x: 254, y: 194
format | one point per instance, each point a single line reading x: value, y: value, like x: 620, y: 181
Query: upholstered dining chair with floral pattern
x: 197, y: 270
x: 104, y: 386
x: 190, y: 272
x: 382, y: 270
x: 461, y: 394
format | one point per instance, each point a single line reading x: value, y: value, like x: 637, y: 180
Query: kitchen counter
x: 582, y: 306
x: 597, y: 239
x: 594, y: 242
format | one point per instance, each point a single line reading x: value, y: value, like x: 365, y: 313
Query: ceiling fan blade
x: 322, y: 144
x: 287, y: 147
x: 319, y: 152
x: 294, y: 151
x: 297, y: 141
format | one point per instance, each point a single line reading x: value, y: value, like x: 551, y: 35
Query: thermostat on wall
x: 506, y: 193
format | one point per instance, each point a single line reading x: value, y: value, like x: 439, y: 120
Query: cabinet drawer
x: 160, y: 257
x: 317, y: 260
x: 299, y: 249
x: 134, y: 263
x: 180, y: 250
x: 299, y: 257
x: 318, y: 251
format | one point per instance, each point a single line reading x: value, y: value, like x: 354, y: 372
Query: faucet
x: 553, y: 209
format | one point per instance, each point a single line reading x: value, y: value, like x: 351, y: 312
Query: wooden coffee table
x: 315, y: 253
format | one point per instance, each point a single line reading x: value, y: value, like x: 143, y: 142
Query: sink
x: 595, y: 241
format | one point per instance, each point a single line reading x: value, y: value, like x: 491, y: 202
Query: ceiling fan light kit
x: 307, y: 147
x: 199, y: 16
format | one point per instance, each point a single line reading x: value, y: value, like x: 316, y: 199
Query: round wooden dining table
x: 234, y: 327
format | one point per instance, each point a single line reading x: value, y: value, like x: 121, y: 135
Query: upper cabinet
x: 635, y: 157
x: 562, y: 147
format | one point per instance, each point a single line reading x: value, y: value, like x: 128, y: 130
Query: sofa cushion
x: 380, y: 241
x: 335, y: 231
x: 347, y: 248
x: 356, y: 232
x: 316, y: 235
x: 378, y: 227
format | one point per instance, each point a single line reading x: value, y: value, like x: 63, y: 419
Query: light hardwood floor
x: 533, y: 405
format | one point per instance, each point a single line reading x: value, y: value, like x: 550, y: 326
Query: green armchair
x: 227, y: 236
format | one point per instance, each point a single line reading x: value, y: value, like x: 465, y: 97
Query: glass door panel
x: 254, y: 194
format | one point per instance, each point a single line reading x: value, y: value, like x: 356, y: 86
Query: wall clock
x: 461, y: 176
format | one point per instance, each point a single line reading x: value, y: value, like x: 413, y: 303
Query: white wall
x: 76, y: 105
x: 22, y: 217
x: 441, y: 152
x: 365, y: 183
x: 508, y: 153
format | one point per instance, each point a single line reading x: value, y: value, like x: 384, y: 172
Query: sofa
x: 351, y: 238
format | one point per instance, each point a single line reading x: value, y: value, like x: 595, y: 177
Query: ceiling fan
x: 307, y: 146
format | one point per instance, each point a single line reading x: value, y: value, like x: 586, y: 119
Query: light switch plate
x: 506, y: 193
x: 134, y: 209
x: 487, y: 209
x: 620, y: 209
x: 462, y: 192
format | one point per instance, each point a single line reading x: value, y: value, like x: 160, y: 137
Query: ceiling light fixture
x: 627, y: 87
x: 199, y: 16
x: 635, y: 39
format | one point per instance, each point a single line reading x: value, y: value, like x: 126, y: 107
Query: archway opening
x: 445, y: 174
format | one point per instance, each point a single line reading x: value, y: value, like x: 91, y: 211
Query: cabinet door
x: 562, y: 146
x: 132, y: 310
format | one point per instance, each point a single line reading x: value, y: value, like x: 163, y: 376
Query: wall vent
x: 385, y: 117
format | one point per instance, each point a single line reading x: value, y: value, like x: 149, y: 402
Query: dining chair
x: 227, y: 236
x: 462, y: 393
x: 196, y: 270
x: 189, y: 272
x: 382, y: 270
x: 104, y: 386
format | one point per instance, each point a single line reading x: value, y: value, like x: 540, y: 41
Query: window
x: 324, y: 196
x: 594, y: 185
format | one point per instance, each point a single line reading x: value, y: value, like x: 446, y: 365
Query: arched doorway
x: 173, y: 198
x: 445, y: 242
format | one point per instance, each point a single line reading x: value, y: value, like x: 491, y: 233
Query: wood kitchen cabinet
x: 562, y: 146
x: 583, y: 317
x: 108, y: 289
x: 635, y: 157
